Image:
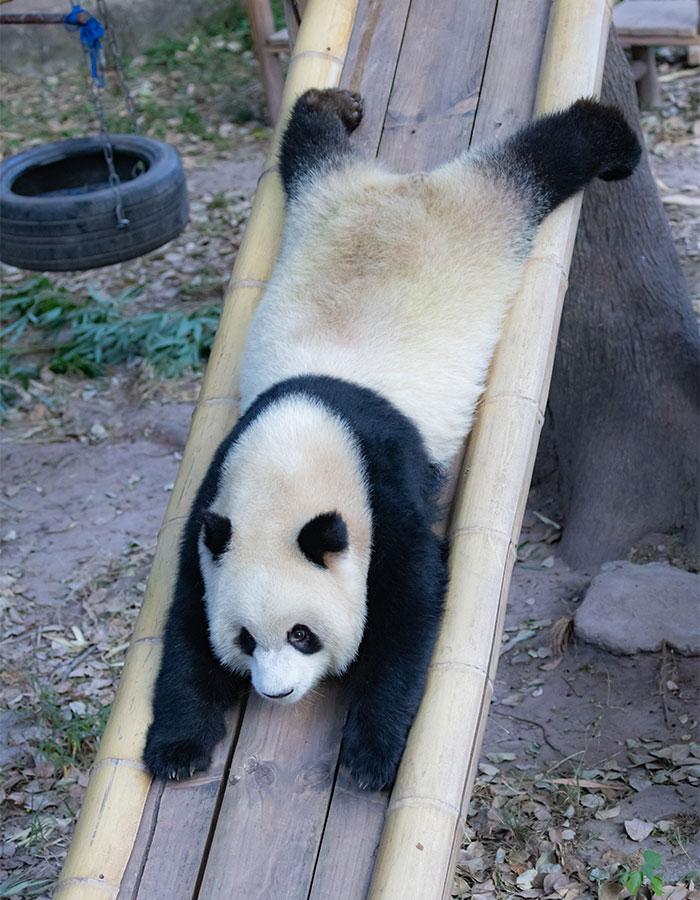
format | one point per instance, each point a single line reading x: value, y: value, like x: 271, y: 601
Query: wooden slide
x: 274, y: 818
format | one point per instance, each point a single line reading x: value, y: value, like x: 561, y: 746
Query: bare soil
x: 577, y: 741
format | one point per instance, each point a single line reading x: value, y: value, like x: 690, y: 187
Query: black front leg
x: 317, y: 135
x: 552, y: 158
x: 193, y: 690
x: 405, y: 607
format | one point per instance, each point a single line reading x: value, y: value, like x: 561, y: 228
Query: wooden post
x: 119, y: 782
x: 425, y: 819
x: 262, y: 26
x: 648, y: 84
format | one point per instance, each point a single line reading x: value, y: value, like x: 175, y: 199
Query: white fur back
x: 396, y: 282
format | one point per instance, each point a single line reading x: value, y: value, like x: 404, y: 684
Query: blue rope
x: 90, y: 34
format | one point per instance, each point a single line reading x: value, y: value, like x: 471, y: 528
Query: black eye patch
x: 217, y: 533
x: 303, y: 639
x: 246, y: 641
x: 325, y: 534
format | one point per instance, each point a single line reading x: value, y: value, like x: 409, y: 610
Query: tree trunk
x: 622, y: 434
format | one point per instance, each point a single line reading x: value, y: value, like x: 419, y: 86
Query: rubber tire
x: 64, y: 233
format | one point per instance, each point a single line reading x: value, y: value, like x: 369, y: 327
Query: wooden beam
x: 657, y: 22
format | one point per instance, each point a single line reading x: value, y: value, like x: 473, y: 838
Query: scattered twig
x: 680, y: 200
x: 586, y: 783
x: 73, y: 664
x: 571, y: 685
x: 533, y: 724
x: 673, y: 76
x: 667, y: 673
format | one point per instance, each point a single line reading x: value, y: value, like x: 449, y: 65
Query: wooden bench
x: 646, y: 24
x: 274, y: 817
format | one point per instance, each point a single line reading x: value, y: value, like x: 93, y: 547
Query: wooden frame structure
x: 269, y: 44
x: 273, y: 817
x: 644, y: 25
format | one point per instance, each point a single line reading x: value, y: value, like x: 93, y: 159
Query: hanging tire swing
x: 90, y: 202
x: 57, y: 209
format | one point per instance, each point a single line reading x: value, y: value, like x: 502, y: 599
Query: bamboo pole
x: 425, y: 818
x: 119, y: 783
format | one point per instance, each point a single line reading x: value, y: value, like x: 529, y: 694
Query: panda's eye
x: 303, y: 639
x: 246, y: 641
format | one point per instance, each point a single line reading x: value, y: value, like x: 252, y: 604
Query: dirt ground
x: 583, y: 749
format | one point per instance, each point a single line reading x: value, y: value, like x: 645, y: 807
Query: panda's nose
x: 279, y: 696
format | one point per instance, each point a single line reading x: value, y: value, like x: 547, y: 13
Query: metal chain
x: 114, y: 182
x: 115, y: 59
x: 115, y: 55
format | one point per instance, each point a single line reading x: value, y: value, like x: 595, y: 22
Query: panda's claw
x: 370, y: 771
x: 175, y: 759
x: 372, y: 762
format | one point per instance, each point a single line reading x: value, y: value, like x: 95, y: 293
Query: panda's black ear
x: 217, y: 532
x: 327, y: 533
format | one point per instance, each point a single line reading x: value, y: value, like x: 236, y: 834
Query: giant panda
x: 310, y: 550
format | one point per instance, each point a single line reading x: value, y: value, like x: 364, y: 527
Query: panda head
x: 284, y: 551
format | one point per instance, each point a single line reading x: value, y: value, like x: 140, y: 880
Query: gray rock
x: 631, y: 607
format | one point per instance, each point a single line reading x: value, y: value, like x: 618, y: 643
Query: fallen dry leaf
x: 637, y: 829
x: 609, y: 890
x: 608, y: 813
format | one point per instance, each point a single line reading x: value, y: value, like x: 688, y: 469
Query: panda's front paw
x: 371, y: 755
x: 175, y: 756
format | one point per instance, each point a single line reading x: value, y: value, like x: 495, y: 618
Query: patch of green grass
x: 191, y: 120
x: 219, y: 201
x: 516, y: 822
x: 214, y: 55
x: 229, y: 23
x: 8, y: 120
x: 43, y: 324
x: 18, y: 885
x: 72, y: 737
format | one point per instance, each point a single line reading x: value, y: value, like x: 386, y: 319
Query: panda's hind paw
x: 615, y: 144
x: 346, y: 105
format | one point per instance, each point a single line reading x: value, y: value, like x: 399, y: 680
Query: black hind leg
x: 554, y: 157
x: 317, y: 135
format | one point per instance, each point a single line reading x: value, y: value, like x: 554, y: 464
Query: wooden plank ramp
x: 274, y: 817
